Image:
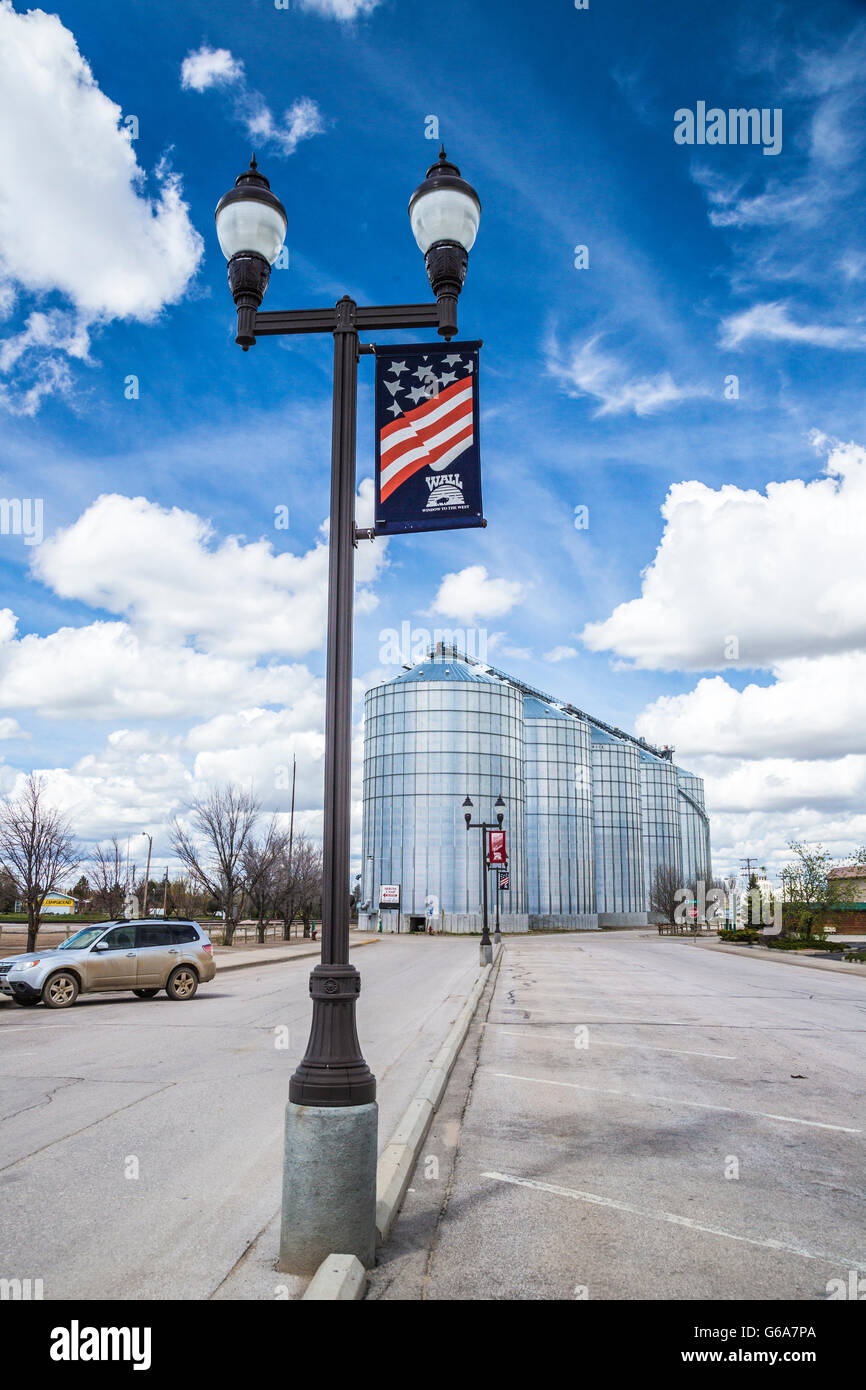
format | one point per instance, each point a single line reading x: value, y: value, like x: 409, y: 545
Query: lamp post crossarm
x: 366, y: 317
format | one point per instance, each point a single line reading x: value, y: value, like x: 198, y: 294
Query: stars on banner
x: 405, y: 395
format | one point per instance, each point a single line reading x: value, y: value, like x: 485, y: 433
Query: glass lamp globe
x: 251, y: 218
x: 444, y: 208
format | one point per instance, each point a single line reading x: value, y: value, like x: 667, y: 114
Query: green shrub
x: 802, y: 943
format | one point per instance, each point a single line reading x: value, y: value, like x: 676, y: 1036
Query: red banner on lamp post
x: 496, y: 847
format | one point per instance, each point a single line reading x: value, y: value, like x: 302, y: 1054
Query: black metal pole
x: 333, y: 1071
x: 485, y: 930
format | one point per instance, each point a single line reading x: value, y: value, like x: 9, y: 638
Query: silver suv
x: 144, y: 957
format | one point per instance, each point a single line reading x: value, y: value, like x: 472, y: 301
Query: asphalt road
x: 141, y: 1140
x: 648, y: 1119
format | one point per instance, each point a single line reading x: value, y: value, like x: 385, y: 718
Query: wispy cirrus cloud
x: 774, y: 322
x: 586, y: 370
x: 340, y: 9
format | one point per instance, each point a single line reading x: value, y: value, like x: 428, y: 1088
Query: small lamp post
x: 329, y: 1176
x: 484, y: 826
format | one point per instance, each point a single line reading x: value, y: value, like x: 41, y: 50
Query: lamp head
x: 251, y: 227
x: 445, y: 212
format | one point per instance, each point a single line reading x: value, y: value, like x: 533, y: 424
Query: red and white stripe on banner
x: 433, y: 433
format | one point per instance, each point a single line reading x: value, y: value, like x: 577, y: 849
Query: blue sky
x: 604, y: 387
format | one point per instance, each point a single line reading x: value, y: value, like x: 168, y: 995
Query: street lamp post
x: 484, y: 826
x: 147, y: 872
x: 329, y: 1180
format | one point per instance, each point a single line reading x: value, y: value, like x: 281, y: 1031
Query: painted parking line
x: 671, y: 1100
x: 638, y: 1047
x: 648, y: 1214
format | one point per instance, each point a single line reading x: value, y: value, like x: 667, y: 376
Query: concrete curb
x: 282, y: 960
x: 339, y: 1279
x: 841, y: 967
x: 397, y: 1160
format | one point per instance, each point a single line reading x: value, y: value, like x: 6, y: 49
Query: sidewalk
x: 272, y: 952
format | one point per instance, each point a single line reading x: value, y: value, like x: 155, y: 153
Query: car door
x: 157, y: 955
x: 111, y: 963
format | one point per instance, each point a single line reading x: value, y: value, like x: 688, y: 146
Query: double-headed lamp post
x: 484, y: 826
x: 329, y: 1180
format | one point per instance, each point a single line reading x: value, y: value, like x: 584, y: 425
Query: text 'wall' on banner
x: 428, y: 459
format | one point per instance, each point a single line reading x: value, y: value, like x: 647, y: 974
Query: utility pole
x: 165, y: 896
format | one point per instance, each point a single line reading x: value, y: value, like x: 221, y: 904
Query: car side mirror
x: 101, y: 946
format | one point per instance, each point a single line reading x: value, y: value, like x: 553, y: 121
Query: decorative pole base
x: 486, y: 954
x: 333, y: 1071
x: 329, y: 1186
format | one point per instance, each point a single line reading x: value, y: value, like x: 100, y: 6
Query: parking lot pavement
x: 647, y: 1120
x: 141, y: 1140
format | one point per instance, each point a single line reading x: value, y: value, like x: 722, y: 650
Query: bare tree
x: 107, y: 878
x: 223, y: 824
x: 184, y: 899
x: 299, y: 887
x: 307, y: 872
x: 663, y: 892
x: 36, y: 847
x: 261, y: 864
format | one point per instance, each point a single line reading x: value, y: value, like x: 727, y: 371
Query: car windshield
x: 81, y: 939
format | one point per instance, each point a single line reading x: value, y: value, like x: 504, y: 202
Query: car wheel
x: 182, y: 983
x: 145, y: 993
x: 60, y: 990
x: 25, y: 1003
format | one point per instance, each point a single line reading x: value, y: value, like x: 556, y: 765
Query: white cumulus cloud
x: 163, y: 570
x: 750, y: 578
x: 470, y: 594
x: 75, y: 217
x: 217, y: 67
x: 210, y: 67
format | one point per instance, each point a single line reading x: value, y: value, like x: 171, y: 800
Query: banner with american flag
x: 428, y: 463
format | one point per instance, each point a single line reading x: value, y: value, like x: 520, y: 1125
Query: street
x: 141, y: 1148
x: 648, y: 1119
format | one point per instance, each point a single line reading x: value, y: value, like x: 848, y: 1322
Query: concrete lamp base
x: 329, y: 1185
x: 486, y: 955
